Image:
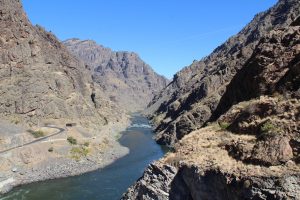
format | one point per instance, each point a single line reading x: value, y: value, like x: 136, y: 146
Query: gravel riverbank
x: 65, y: 166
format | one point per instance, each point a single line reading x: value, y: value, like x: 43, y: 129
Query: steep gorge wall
x: 250, y: 146
x: 192, y: 98
x: 39, y: 79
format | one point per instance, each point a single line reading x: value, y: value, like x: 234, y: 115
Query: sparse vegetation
x: 86, y: 144
x: 72, y: 140
x: 157, y: 119
x: 224, y: 125
x: 36, y: 134
x: 78, y: 152
x: 268, y: 127
x: 118, y: 136
x: 15, y: 121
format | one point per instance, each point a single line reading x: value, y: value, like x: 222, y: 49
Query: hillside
x: 43, y: 88
x: 39, y: 78
x: 192, y: 98
x: 124, y: 77
x: 249, y: 143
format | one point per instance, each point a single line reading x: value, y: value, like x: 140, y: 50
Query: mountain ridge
x: 242, y: 142
x: 188, y: 102
x: 123, y: 75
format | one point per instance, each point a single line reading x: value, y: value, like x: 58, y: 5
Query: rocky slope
x: 192, y: 98
x: 42, y: 83
x: 201, y: 168
x: 250, y: 147
x: 124, y: 77
x: 39, y: 78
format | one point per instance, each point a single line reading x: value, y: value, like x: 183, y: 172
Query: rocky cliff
x: 124, y: 77
x: 250, y: 145
x: 40, y: 79
x: 193, y: 97
x: 42, y: 83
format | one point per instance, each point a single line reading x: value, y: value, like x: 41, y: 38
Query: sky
x: 167, y: 34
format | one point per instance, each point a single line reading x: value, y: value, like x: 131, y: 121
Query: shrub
x: 224, y: 125
x: 267, y: 127
x: 36, y: 134
x: 72, y: 140
x: 86, y: 144
x: 78, y: 152
x: 15, y: 121
x: 51, y: 149
x: 268, y: 130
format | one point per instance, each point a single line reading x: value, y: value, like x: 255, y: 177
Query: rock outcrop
x: 40, y: 79
x: 193, y: 97
x: 202, y: 168
x: 124, y: 77
x: 250, y: 145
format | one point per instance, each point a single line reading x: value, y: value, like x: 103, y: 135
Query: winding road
x: 60, y: 130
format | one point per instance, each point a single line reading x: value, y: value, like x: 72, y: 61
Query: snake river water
x: 108, y: 183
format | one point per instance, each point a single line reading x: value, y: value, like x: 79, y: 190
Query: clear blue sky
x: 167, y: 34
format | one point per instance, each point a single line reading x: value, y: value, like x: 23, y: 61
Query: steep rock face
x: 193, y: 96
x: 154, y: 184
x: 273, y: 69
x: 39, y: 79
x: 125, y: 78
x: 250, y: 146
x: 204, y: 170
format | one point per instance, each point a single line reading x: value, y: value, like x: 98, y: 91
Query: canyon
x: 232, y: 118
x: 231, y: 121
x: 56, y: 119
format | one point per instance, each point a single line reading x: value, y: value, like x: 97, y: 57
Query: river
x: 108, y: 183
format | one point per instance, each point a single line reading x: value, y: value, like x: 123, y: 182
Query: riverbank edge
x: 66, y: 167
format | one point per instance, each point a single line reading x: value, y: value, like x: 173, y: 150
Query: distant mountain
x: 40, y: 79
x: 125, y: 78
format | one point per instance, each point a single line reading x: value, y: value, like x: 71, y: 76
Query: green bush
x: 72, y: 140
x: 78, y: 152
x: 268, y: 127
x: 269, y: 130
x: 224, y: 125
x: 36, y: 134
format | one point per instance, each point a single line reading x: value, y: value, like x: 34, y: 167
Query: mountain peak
x: 125, y: 77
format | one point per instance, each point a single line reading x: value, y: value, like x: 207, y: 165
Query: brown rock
x: 201, y: 86
x: 124, y: 77
x: 273, y: 151
x: 39, y: 78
